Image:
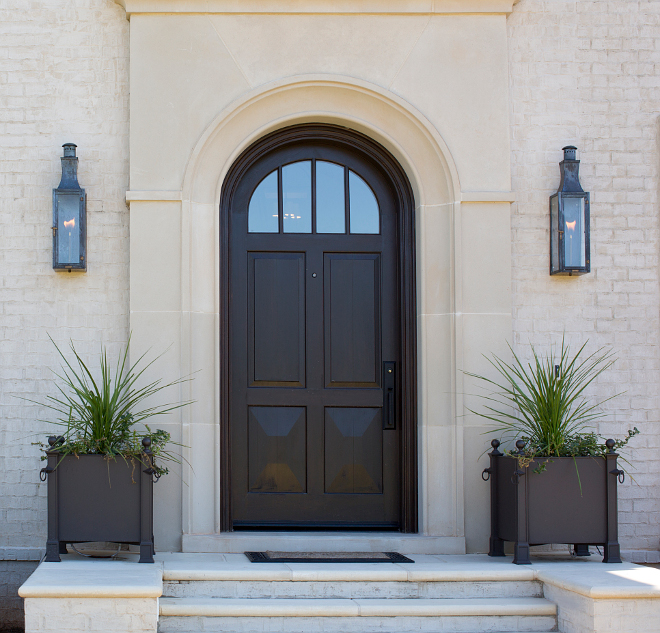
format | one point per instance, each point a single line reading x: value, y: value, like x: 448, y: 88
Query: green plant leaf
x: 547, y: 407
x: 99, y: 415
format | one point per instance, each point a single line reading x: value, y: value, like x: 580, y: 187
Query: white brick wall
x: 119, y: 615
x: 63, y: 77
x: 581, y: 72
x: 587, y: 73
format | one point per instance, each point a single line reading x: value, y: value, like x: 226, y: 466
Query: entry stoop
x: 198, y: 593
x: 228, y: 593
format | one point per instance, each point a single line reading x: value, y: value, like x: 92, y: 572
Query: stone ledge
x: 396, y: 7
x: 75, y: 578
x: 625, y: 582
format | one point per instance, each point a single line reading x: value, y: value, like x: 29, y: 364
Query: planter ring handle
x: 620, y: 474
x: 44, y: 472
x: 485, y: 474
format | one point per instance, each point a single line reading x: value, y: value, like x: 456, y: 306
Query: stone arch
x: 381, y: 115
x: 424, y: 157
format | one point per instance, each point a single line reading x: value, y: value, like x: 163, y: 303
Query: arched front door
x: 319, y: 372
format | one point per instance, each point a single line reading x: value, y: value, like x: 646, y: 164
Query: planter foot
x: 581, y: 549
x: 52, y: 552
x: 521, y: 554
x: 496, y: 547
x: 612, y: 553
x: 63, y: 549
x: 146, y: 553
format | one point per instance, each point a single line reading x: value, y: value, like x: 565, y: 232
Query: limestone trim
x: 258, y: 99
x: 425, y: 158
x: 465, y: 197
x: 487, y: 196
x: 390, y: 7
x: 153, y: 196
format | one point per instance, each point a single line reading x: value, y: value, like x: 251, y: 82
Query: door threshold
x: 316, y: 541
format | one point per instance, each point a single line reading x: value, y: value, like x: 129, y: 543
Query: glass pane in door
x: 364, y: 213
x: 330, y: 199
x: 297, y: 197
x: 262, y: 210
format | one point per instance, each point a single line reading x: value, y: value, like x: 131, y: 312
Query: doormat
x: 327, y: 557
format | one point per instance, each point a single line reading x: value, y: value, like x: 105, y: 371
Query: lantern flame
x: 70, y: 224
x: 571, y: 225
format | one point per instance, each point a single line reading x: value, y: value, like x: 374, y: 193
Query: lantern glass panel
x: 554, y: 233
x: 68, y: 229
x: 574, y: 232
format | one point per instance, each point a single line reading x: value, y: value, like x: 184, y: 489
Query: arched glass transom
x: 313, y: 196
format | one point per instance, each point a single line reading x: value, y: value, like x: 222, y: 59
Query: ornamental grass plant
x: 99, y: 415
x: 543, y: 402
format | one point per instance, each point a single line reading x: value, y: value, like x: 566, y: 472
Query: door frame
x: 407, y: 300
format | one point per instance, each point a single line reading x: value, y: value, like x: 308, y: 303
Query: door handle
x: 389, y: 395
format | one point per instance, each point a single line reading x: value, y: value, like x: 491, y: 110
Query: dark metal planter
x: 93, y: 498
x: 554, y: 506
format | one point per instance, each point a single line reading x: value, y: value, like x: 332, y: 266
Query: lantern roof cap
x: 69, y: 150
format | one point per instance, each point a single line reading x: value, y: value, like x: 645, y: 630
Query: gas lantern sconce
x: 569, y: 221
x: 69, y: 216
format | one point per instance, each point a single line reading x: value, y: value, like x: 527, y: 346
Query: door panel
x: 276, y: 319
x: 353, y: 451
x: 277, y: 449
x: 312, y: 317
x: 352, y: 319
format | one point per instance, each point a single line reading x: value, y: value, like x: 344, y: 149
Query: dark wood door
x: 314, y: 342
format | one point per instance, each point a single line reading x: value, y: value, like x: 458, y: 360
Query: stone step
x: 424, y: 568
x: 233, y: 576
x: 363, y: 615
x: 350, y: 589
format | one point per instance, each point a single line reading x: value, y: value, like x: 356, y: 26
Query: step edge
x: 339, y: 576
x: 360, y: 607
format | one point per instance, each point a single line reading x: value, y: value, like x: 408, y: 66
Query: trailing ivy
x: 580, y: 445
